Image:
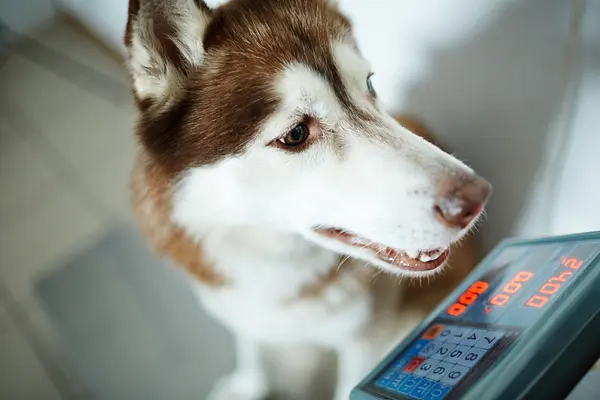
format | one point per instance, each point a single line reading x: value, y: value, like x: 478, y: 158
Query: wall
x: 24, y: 16
x: 104, y: 18
x: 575, y: 190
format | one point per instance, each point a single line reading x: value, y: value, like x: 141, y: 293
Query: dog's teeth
x: 425, y: 257
x: 413, y: 254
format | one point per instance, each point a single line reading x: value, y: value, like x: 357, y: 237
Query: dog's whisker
x: 342, y: 262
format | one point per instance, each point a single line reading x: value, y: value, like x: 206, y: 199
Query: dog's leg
x: 355, y: 358
x: 249, y: 380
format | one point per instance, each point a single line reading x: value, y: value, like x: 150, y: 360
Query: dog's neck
x: 255, y: 257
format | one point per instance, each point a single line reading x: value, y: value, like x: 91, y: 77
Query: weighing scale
x: 525, y: 324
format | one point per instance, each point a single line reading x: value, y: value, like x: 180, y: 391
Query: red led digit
x: 479, y: 287
x: 537, y: 301
x: 467, y: 298
x: 512, y: 287
x: 523, y: 276
x: 499, y: 299
x: 572, y: 263
x: 562, y: 277
x: 550, y: 288
x: 456, y: 309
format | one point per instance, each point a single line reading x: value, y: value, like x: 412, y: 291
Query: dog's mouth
x: 420, y: 260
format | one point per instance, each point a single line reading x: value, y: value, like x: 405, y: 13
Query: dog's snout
x: 460, y: 199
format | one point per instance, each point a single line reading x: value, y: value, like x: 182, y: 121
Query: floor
x: 65, y: 151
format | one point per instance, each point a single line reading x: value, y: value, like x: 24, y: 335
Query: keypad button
x: 458, y: 334
x: 455, y: 375
x: 456, y: 354
x: 433, y: 332
x: 425, y: 368
x: 384, y: 380
x: 417, y: 347
x: 472, y: 357
x: 473, y: 337
x: 413, y: 364
x: 438, y: 392
x: 422, y: 388
x: 489, y: 339
x: 396, y: 381
x: 444, y: 334
x: 429, y: 349
x: 409, y: 384
x: 439, y: 371
x: 442, y: 351
x: 401, y: 362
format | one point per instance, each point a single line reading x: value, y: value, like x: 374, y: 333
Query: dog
x: 269, y: 170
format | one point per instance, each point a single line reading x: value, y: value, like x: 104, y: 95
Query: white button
x: 472, y: 357
x: 456, y: 354
x: 439, y: 371
x: 489, y: 339
x: 473, y: 337
x: 426, y: 368
x: 442, y: 351
x: 444, y: 334
x: 455, y: 375
x: 458, y: 335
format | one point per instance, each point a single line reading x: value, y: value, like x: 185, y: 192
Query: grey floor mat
x: 131, y: 327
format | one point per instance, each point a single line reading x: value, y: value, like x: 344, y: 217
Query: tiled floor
x: 65, y: 152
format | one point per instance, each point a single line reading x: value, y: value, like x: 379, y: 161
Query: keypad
x: 438, y: 361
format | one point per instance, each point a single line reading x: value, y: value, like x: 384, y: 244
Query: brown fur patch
x: 151, y: 198
x: 225, y: 100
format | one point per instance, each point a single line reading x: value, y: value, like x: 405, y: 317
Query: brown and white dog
x: 267, y: 161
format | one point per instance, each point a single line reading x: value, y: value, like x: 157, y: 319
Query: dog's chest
x: 285, y: 289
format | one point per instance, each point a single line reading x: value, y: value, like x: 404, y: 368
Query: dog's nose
x: 460, y: 199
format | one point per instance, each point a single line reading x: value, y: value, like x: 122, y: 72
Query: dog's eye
x: 370, y: 85
x: 296, y: 136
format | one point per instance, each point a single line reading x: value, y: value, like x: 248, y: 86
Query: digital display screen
x: 481, y: 324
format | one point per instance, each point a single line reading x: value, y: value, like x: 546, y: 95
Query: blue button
x: 385, y: 378
x: 409, y: 384
x: 397, y: 381
x: 417, y: 347
x: 422, y: 388
x: 438, y: 392
x: 401, y: 362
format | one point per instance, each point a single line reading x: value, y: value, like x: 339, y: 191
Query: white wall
x: 569, y: 201
x: 24, y: 16
x: 105, y: 18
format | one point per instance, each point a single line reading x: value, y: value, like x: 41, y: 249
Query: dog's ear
x: 164, y: 41
x: 333, y: 3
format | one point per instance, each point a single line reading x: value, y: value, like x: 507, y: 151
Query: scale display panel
x: 521, y: 285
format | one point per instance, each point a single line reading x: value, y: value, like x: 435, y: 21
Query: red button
x: 414, y: 364
x: 433, y: 332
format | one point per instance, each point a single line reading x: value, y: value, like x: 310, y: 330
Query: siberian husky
x: 269, y: 170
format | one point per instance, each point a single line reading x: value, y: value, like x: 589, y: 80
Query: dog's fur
x: 216, y: 191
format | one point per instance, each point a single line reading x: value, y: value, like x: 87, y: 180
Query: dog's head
x: 263, y: 113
